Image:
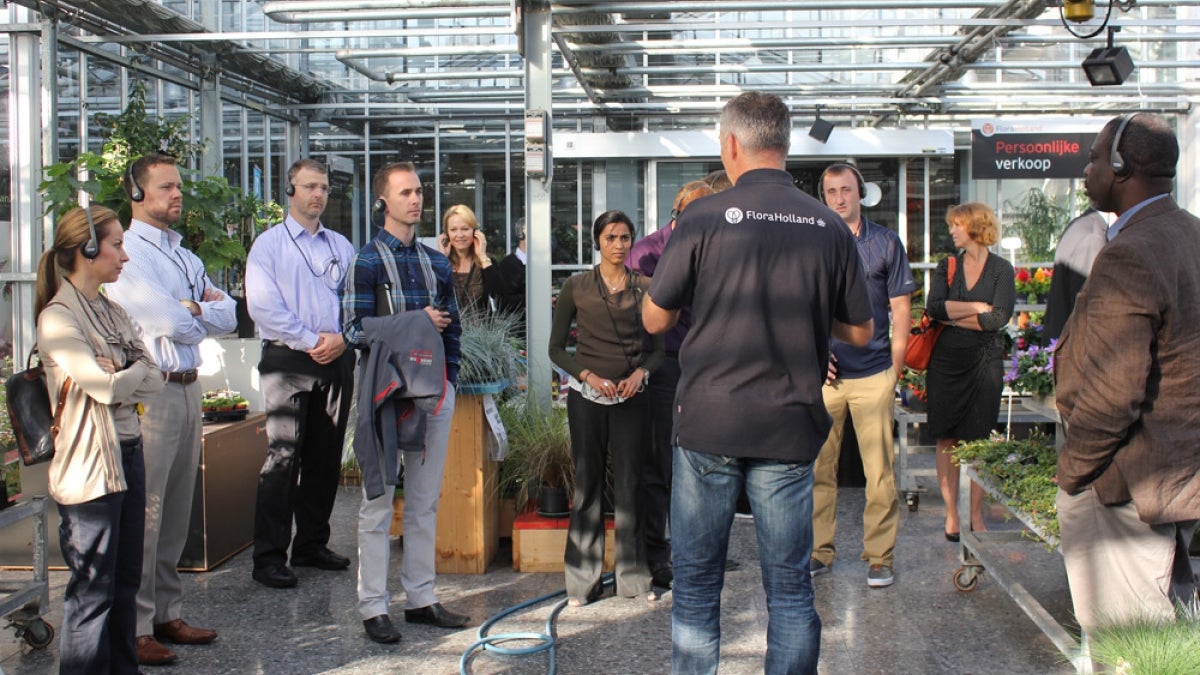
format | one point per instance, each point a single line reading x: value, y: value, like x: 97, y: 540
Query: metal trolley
x: 22, y: 603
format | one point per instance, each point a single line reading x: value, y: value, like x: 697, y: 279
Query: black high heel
x: 952, y: 536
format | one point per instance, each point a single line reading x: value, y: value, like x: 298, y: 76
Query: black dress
x: 966, y: 371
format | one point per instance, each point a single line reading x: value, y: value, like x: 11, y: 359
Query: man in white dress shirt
x: 174, y: 305
x: 292, y: 277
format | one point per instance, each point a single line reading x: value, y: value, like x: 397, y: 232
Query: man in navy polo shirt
x: 862, y: 381
x: 770, y: 274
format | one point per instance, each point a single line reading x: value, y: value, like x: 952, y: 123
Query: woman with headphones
x: 607, y: 408
x: 477, y: 283
x: 100, y: 372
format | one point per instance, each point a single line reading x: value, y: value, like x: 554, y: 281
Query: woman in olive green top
x: 607, y: 408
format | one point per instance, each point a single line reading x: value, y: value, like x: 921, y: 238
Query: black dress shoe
x: 323, y: 559
x: 381, y: 630
x: 275, y: 576
x: 436, y: 615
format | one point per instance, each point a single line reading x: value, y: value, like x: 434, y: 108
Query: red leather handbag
x: 925, y: 334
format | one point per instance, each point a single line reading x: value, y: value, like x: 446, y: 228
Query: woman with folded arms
x: 966, y: 370
x: 97, y: 476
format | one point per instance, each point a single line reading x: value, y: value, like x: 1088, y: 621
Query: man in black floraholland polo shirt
x: 770, y: 274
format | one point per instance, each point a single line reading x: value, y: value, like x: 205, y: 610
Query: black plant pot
x: 553, y: 502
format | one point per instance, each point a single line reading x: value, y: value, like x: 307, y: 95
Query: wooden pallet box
x: 538, y: 543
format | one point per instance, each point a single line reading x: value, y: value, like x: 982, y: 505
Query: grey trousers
x: 171, y: 431
x: 422, y: 489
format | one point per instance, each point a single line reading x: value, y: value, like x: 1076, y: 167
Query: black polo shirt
x: 766, y: 269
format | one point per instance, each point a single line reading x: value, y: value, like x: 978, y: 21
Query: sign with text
x: 1032, y: 148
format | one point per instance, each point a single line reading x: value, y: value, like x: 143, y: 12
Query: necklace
x: 614, y: 287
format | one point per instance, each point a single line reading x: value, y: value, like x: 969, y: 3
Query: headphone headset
x: 290, y: 190
x: 380, y: 206
x: 135, y: 190
x: 1120, y: 167
x: 90, y: 248
x: 839, y: 168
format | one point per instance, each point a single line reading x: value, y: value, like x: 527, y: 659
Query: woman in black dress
x: 966, y: 371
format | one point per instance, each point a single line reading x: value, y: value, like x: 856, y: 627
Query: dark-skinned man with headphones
x: 1125, y: 373
x: 862, y: 382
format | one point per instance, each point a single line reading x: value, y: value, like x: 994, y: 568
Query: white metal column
x: 535, y: 29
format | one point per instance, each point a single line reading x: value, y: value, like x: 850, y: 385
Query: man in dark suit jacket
x: 1126, y: 373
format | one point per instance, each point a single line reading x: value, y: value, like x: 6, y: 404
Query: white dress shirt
x: 159, y: 274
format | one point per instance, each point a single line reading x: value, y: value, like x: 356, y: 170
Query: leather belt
x: 275, y: 343
x: 185, y: 377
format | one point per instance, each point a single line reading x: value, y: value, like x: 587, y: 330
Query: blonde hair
x: 978, y: 219
x: 59, y: 260
x: 462, y: 211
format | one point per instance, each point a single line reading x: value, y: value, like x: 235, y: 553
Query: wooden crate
x: 538, y: 543
x: 468, y: 527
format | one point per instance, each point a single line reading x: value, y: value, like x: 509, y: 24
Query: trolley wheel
x: 38, y: 634
x: 966, y: 579
x: 913, y: 500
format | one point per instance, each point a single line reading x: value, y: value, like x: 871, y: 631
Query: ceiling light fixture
x: 1108, y: 66
x: 820, y: 129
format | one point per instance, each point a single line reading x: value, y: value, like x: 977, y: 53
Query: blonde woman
x: 97, y: 476
x: 477, y: 282
x: 966, y: 371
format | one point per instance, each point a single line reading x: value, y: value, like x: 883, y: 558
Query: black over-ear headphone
x: 90, y: 248
x: 135, y: 190
x: 839, y: 168
x: 290, y: 190
x: 380, y: 206
x: 1120, y: 167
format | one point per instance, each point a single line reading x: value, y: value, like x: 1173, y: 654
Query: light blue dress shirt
x: 292, y: 280
x: 159, y: 274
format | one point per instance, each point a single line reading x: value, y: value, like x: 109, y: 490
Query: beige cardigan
x: 87, y: 459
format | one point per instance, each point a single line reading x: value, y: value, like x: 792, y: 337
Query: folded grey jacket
x: 401, y: 378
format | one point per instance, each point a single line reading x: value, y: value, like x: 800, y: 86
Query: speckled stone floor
x: 919, y: 625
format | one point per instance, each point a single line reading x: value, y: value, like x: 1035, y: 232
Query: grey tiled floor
x: 919, y: 625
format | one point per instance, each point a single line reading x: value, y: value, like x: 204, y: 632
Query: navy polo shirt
x: 766, y: 269
x: 888, y: 276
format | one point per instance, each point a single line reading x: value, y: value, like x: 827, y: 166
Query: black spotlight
x: 821, y: 129
x: 1108, y: 66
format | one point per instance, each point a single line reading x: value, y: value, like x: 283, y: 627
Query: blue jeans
x: 704, y: 494
x: 101, y: 541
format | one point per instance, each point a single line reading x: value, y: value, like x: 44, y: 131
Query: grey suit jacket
x: 1127, y: 370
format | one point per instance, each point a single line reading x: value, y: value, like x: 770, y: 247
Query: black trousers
x: 656, y: 470
x: 101, y: 541
x: 307, y: 408
x: 597, y: 430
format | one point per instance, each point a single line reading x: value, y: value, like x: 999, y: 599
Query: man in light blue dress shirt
x: 292, y: 277
x: 174, y: 305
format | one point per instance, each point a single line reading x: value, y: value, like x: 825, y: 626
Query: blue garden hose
x: 546, y: 640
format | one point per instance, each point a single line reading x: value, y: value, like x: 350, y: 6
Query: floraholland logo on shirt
x: 734, y: 215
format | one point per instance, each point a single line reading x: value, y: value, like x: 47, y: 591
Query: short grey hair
x: 759, y: 121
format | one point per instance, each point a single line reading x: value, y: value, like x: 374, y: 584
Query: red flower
x: 1022, y: 275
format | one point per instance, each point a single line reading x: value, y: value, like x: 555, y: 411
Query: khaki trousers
x: 1120, y: 568
x: 869, y: 401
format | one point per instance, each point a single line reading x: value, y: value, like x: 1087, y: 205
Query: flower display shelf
x: 979, y: 553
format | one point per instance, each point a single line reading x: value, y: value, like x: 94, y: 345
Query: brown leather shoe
x: 182, y: 634
x: 151, y: 653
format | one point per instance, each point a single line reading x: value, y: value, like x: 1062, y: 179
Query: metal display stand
x: 977, y: 555
x: 906, y: 419
x: 22, y: 603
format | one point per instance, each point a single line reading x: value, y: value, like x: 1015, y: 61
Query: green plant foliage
x: 1145, y: 646
x: 539, y: 452
x: 1039, y: 222
x: 489, y: 351
x: 1023, y: 471
x: 219, y: 221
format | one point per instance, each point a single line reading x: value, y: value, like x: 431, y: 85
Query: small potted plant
x: 1024, y: 472
x: 912, y: 390
x: 540, y: 464
x: 1034, y: 285
x: 1030, y: 369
